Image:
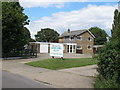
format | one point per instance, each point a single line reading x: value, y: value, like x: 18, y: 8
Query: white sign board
x: 56, y: 49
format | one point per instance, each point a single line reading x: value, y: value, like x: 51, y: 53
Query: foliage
x: 14, y: 34
x: 56, y: 64
x: 106, y: 83
x: 32, y: 40
x: 100, y: 35
x: 26, y: 35
x: 47, y: 35
x: 116, y: 28
x: 109, y: 61
x: 109, y: 57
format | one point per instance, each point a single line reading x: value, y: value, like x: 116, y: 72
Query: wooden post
x: 62, y: 58
x: 52, y: 56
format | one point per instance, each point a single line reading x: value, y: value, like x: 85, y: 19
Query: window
x: 73, y: 48
x: 67, y: 37
x: 79, y: 37
x: 70, y: 48
x: 71, y: 38
x: 89, y: 39
x: 67, y: 48
x: 89, y: 47
x: 79, y: 46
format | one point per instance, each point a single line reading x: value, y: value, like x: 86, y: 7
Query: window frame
x: 80, y: 37
x: 71, y: 38
x: 79, y: 48
x: 89, y: 48
x: 88, y: 39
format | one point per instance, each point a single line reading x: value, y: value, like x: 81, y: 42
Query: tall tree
x: 13, y: 30
x: 100, y: 35
x: 109, y: 57
x: 47, y: 35
x: 116, y: 27
x: 26, y: 35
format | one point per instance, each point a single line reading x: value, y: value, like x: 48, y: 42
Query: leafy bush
x: 106, y: 83
x: 109, y: 61
x: 109, y: 58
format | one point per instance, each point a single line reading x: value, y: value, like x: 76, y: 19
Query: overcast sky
x: 74, y: 15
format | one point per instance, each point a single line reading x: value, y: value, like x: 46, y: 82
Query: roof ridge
x: 75, y: 32
x: 79, y: 30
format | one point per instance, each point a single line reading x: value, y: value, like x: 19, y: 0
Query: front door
x: 71, y: 48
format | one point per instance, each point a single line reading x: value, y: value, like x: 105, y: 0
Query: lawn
x: 56, y: 64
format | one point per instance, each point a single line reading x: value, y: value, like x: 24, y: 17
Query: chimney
x: 68, y: 30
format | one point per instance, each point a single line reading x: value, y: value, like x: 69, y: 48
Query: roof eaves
x: 91, y: 33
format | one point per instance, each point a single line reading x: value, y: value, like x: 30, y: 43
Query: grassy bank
x: 56, y: 64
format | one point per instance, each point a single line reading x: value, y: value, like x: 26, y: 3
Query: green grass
x: 56, y: 64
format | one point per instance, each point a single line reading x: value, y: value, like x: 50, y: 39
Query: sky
x: 62, y: 15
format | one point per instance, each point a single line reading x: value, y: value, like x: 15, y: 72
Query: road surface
x: 10, y: 80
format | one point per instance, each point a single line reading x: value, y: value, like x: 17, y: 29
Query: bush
x: 106, y: 83
x: 109, y: 58
x: 109, y: 62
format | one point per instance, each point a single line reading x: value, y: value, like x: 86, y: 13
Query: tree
x: 14, y: 34
x: 109, y: 57
x: 100, y: 35
x: 32, y: 40
x: 47, y: 35
x: 116, y: 27
x: 26, y: 35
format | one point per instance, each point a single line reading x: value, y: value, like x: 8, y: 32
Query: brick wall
x: 84, y: 42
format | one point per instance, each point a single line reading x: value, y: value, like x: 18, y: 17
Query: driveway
x: 88, y: 71
x: 66, y: 78
x: 20, y: 82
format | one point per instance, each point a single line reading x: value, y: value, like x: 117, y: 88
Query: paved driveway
x: 10, y: 80
x: 88, y: 71
x: 66, y: 78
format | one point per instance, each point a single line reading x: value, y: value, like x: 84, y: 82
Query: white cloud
x: 60, y: 5
x: 41, y: 4
x: 101, y: 16
x: 55, y: 3
x: 46, y: 3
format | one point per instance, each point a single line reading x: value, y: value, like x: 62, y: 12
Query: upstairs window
x: 89, y: 39
x: 71, y: 38
x: 67, y: 37
x: 79, y: 37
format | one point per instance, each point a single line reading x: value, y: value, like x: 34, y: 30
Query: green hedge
x: 109, y: 61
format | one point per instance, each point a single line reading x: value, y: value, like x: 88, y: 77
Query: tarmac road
x: 10, y: 80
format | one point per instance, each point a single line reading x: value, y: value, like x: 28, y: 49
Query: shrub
x: 109, y: 61
x: 101, y: 82
x: 109, y: 57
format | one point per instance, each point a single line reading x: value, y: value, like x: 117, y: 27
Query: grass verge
x: 56, y: 64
